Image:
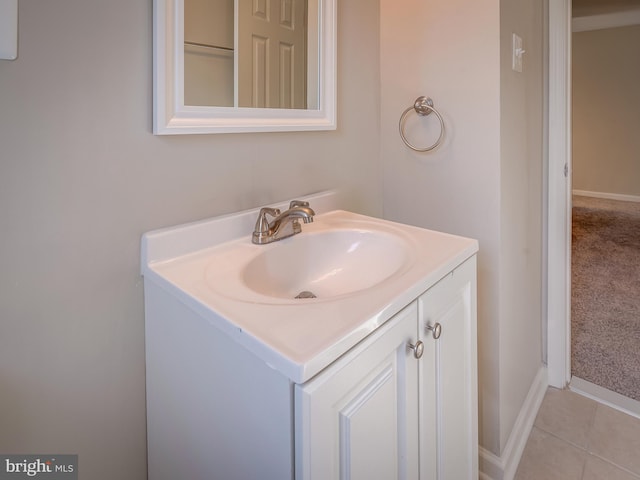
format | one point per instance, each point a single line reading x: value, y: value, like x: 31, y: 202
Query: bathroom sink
x: 300, y: 302
x: 338, y: 255
x: 326, y: 264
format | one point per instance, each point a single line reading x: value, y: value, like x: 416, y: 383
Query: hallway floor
x: 576, y: 438
x: 605, y: 305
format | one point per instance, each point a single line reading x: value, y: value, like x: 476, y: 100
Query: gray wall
x: 521, y: 208
x: 82, y: 177
x: 606, y: 102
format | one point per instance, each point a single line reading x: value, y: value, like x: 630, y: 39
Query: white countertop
x: 298, y: 339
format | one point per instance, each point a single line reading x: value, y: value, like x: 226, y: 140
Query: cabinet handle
x: 436, y: 330
x: 418, y: 349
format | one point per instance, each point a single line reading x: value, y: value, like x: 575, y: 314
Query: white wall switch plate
x: 8, y: 29
x: 518, y: 51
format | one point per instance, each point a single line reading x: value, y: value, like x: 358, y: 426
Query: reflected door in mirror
x: 255, y: 59
x: 271, y: 53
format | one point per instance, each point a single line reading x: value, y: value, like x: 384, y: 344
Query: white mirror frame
x: 172, y: 116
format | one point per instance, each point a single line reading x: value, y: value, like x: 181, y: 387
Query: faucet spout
x: 295, y: 213
x: 283, y: 225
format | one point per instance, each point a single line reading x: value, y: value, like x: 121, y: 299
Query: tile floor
x: 576, y: 438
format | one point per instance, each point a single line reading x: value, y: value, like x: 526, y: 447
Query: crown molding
x: 609, y: 20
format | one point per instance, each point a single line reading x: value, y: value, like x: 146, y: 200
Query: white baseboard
x: 503, y: 467
x: 608, y: 196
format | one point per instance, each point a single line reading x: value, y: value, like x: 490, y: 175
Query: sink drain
x: 306, y: 294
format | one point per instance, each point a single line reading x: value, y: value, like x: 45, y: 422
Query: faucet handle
x: 274, y: 212
x: 262, y: 224
x: 298, y: 203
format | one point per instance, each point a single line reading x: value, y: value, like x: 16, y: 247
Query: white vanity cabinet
x: 359, y: 418
x: 382, y: 412
x: 246, y: 384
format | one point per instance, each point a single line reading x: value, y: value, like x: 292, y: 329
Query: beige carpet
x: 605, y: 310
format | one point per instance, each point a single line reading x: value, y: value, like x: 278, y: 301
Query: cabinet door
x: 359, y: 418
x: 448, y: 405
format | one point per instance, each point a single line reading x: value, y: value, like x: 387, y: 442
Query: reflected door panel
x: 271, y: 53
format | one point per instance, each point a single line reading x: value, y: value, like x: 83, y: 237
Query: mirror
x: 201, y: 83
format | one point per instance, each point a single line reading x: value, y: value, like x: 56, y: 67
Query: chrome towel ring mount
x: 423, y: 106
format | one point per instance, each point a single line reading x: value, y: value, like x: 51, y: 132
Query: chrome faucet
x: 283, y: 225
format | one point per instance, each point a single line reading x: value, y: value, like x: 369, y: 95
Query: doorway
x: 559, y: 192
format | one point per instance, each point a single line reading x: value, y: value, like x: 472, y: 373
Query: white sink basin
x: 339, y: 254
x: 326, y: 264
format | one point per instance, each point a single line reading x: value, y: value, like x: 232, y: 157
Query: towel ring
x: 423, y: 106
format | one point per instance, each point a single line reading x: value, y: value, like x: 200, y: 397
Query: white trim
x: 504, y: 467
x: 606, y: 397
x: 609, y: 196
x: 8, y: 29
x: 559, y: 191
x: 608, y: 20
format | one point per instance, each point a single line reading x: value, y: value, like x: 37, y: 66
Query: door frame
x: 558, y: 234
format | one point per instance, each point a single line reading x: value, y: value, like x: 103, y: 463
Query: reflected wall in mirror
x: 209, y: 28
x: 244, y: 65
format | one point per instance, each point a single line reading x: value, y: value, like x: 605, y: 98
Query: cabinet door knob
x: 418, y: 349
x: 436, y: 330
